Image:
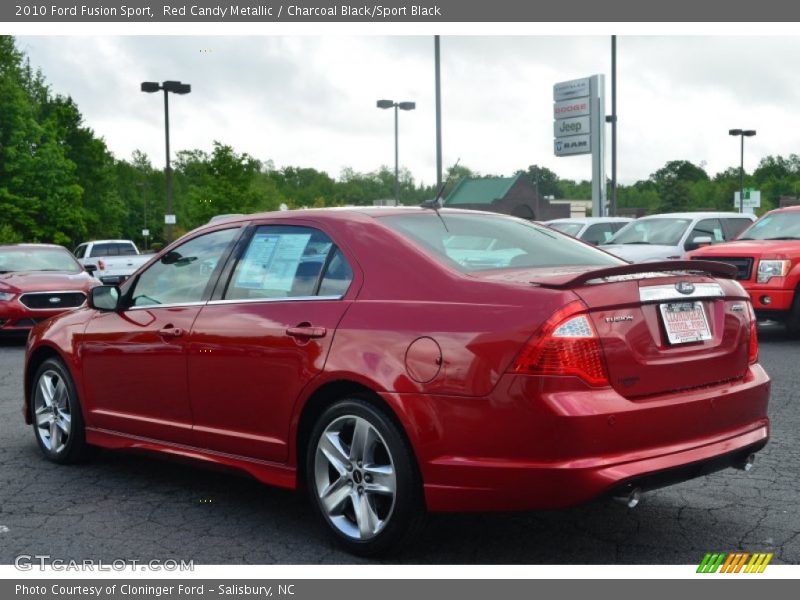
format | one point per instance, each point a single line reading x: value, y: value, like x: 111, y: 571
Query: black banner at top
x: 398, y: 11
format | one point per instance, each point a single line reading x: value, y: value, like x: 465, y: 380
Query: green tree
x: 544, y: 179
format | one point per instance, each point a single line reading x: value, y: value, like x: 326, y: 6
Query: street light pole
x: 742, y: 133
x: 175, y: 87
x: 396, y: 159
x: 168, y: 172
x: 396, y: 106
x: 438, y: 84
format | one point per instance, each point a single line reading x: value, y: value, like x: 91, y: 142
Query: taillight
x: 101, y: 264
x: 753, y: 352
x: 567, y: 344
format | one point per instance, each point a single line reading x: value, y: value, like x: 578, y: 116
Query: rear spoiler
x: 687, y: 267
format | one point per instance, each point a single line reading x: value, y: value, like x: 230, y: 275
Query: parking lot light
x: 176, y: 87
x: 402, y: 106
x: 742, y: 133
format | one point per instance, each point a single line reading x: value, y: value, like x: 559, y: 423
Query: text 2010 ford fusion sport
x: 398, y: 361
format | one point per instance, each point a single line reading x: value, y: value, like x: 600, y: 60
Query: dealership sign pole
x: 579, y: 128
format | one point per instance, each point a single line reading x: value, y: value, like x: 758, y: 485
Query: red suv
x: 398, y: 361
x: 767, y: 261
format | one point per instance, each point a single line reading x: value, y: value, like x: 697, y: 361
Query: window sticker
x: 271, y: 261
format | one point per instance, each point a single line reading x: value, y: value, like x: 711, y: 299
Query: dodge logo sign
x: 684, y: 287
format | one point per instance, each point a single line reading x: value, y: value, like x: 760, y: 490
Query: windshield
x: 667, y: 232
x: 483, y: 242
x: 777, y: 226
x: 22, y: 258
x: 568, y: 228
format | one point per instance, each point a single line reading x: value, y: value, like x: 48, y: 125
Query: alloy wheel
x: 52, y: 412
x: 355, y: 477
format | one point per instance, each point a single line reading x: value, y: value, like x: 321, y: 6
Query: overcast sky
x: 310, y: 100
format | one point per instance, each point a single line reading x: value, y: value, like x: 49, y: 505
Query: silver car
x: 594, y: 230
x: 672, y: 235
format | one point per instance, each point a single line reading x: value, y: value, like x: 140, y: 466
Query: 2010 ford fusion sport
x: 399, y: 361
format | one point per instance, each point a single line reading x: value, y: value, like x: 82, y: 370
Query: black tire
x: 793, y: 320
x: 74, y: 448
x: 407, y: 513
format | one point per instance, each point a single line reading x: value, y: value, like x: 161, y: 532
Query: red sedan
x: 398, y: 361
x: 38, y: 281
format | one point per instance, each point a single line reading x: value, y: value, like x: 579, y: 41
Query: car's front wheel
x: 56, y: 414
x: 362, y: 478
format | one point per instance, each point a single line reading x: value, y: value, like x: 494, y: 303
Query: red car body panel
x: 438, y: 347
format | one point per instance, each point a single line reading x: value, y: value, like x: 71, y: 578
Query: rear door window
x: 286, y: 261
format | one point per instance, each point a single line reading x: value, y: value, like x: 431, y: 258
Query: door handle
x: 306, y: 332
x: 170, y: 332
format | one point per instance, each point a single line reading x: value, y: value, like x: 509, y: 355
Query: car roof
x: 698, y: 215
x: 344, y: 212
x: 590, y: 220
x: 787, y: 209
x: 108, y: 242
x: 31, y: 246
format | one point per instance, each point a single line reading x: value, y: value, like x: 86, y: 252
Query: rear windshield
x: 777, y: 226
x: 483, y: 242
x: 113, y: 249
x: 661, y: 231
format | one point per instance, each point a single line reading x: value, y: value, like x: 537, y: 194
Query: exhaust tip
x: 747, y: 463
x: 631, y: 499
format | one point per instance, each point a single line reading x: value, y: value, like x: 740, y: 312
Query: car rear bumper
x: 537, y: 444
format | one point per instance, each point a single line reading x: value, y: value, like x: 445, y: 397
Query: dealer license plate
x: 685, y: 322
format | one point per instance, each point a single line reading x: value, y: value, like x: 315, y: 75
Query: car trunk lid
x: 663, y: 327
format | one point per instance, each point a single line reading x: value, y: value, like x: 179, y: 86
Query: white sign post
x: 752, y: 199
x: 579, y: 128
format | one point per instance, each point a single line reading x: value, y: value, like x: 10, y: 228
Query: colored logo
x: 685, y: 287
x: 738, y: 562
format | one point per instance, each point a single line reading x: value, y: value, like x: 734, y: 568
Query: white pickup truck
x: 110, y: 261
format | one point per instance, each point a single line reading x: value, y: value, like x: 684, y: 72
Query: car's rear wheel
x: 56, y: 414
x: 362, y: 478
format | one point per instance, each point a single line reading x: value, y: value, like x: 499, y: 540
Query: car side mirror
x: 699, y: 242
x: 104, y: 297
x: 90, y: 269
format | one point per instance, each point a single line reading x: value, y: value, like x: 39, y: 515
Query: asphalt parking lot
x: 125, y: 506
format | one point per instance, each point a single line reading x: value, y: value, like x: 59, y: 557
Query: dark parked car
x: 376, y: 357
x: 38, y: 281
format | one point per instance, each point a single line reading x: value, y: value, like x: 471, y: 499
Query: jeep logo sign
x: 568, y: 127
